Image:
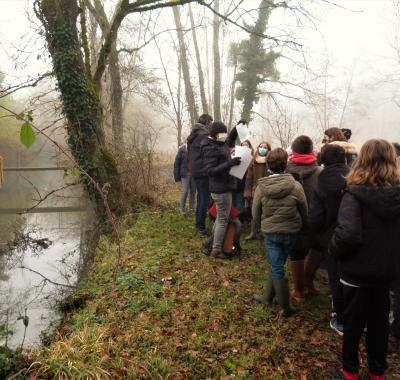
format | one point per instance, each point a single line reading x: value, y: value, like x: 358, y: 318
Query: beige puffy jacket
x: 280, y: 204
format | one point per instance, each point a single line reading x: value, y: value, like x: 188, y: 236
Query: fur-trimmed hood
x: 349, y: 147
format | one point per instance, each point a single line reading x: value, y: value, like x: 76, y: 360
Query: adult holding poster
x: 218, y: 162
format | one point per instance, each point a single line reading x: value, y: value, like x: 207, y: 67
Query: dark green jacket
x: 280, y: 204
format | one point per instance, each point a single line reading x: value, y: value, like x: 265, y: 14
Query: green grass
x: 175, y: 313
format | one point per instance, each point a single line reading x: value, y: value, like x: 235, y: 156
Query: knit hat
x: 217, y: 127
x: 302, y: 145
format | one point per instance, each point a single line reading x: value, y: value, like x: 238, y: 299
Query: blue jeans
x: 187, y: 187
x: 203, y: 202
x: 278, y: 247
x: 238, y: 200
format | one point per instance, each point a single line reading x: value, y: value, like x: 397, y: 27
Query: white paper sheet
x: 245, y: 153
x: 243, y: 132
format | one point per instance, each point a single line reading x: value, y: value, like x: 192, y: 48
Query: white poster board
x: 244, y: 152
x: 243, y: 132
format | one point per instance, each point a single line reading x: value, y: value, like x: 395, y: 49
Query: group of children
x: 333, y: 204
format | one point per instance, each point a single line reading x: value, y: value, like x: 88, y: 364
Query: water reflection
x: 38, y: 250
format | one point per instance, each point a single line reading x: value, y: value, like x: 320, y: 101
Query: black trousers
x: 336, y: 288
x: 365, y: 308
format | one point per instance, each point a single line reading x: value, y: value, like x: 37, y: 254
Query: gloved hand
x: 235, y: 161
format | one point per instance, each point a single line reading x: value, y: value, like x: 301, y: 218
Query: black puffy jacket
x: 217, y: 163
x: 367, y: 239
x: 198, y: 133
x: 325, y: 201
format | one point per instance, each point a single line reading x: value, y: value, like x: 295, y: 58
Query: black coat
x: 198, y: 133
x: 217, y: 163
x: 180, y: 163
x: 325, y: 202
x: 367, y: 239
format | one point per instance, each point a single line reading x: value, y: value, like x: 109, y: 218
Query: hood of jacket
x: 332, y: 179
x: 349, y: 148
x: 276, y: 185
x: 384, y: 202
x: 197, y: 130
x: 302, y: 171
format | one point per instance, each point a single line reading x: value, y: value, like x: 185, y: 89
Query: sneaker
x: 336, y: 326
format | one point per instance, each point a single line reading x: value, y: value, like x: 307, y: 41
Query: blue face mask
x: 262, y: 151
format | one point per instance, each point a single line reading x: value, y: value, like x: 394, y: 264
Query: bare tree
x: 191, y: 103
x: 217, y: 63
x: 198, y: 61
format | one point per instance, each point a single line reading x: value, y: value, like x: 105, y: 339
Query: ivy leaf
x: 27, y: 136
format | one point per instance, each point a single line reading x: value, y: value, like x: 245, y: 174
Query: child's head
x: 376, y: 165
x: 302, y: 145
x: 334, y: 134
x: 277, y: 160
x: 333, y: 154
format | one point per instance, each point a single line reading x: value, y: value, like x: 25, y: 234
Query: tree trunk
x: 178, y: 105
x: 117, y: 112
x: 217, y: 64
x: 116, y: 94
x: 199, y: 66
x: 185, y: 68
x: 253, y: 67
x: 232, y: 100
x: 80, y: 101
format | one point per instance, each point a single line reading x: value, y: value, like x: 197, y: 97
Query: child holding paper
x: 218, y: 163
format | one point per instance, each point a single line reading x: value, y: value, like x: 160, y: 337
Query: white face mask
x: 221, y: 137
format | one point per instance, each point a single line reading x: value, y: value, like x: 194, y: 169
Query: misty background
x: 344, y: 71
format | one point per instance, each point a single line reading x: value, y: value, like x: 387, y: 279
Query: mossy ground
x: 175, y: 313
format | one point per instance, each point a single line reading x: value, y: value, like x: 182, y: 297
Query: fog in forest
x: 337, y: 67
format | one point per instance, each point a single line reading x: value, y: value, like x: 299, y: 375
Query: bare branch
x: 46, y: 278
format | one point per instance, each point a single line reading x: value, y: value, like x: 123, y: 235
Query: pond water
x: 38, y: 250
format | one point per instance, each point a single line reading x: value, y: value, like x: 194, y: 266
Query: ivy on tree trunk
x: 80, y: 101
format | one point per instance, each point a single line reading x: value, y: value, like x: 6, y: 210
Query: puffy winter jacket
x: 198, y: 133
x: 325, y: 201
x: 181, y: 163
x: 307, y: 175
x: 280, y: 204
x: 217, y: 163
x: 367, y: 239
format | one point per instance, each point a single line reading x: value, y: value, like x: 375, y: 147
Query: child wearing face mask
x: 215, y: 150
x: 257, y: 169
x: 238, y: 194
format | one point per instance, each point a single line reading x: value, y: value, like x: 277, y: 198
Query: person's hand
x: 236, y: 161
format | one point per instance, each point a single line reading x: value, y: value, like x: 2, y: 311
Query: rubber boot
x: 297, y: 269
x: 311, y: 265
x: 253, y: 232
x: 269, y: 293
x: 282, y: 295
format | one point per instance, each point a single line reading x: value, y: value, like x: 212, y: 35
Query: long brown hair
x: 376, y: 165
x: 335, y: 134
